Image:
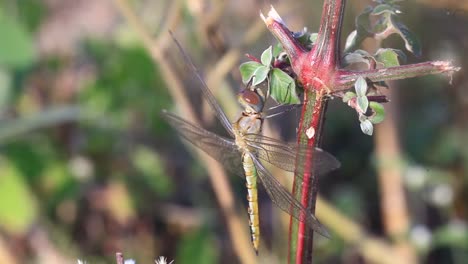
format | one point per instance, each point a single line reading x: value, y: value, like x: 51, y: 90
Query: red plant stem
x: 316, y: 71
x: 328, y: 40
x: 345, y: 79
x: 306, y: 190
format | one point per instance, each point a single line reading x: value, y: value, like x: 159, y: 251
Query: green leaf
x: 367, y: 127
x: 379, y: 112
x: 412, y: 43
x: 260, y: 75
x: 16, y: 45
x: 18, y: 209
x: 277, y: 49
x: 313, y: 37
x: 382, y: 27
x: 362, y: 31
x: 267, y: 57
x: 351, y: 41
x: 348, y: 96
x: 283, y: 88
x: 388, y: 57
x: 302, y: 37
x: 360, y: 86
x: 383, y: 8
x: 358, y: 56
x: 247, y: 70
x: 363, y: 103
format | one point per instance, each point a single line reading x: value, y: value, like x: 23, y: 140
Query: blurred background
x: 88, y: 168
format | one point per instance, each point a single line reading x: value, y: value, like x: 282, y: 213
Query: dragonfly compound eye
x: 251, y: 100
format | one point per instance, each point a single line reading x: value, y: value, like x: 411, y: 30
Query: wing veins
x: 284, y: 200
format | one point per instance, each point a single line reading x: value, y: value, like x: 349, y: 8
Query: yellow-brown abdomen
x: 252, y: 198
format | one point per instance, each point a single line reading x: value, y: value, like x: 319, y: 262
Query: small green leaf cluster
x: 378, y: 22
x: 369, y: 112
x: 274, y: 68
x: 382, y: 58
x: 281, y: 86
x: 385, y: 15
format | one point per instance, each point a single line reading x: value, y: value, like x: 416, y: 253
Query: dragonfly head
x: 251, y: 101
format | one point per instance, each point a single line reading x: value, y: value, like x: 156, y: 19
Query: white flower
x: 162, y: 260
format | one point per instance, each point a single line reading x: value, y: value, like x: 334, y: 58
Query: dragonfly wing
x: 221, y: 149
x: 206, y: 91
x: 285, y: 201
x: 324, y: 162
x: 283, y: 155
x: 280, y: 155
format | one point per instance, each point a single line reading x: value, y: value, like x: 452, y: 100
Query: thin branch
x: 346, y: 79
x: 171, y: 21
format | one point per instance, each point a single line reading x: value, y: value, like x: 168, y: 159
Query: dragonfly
x: 243, y: 152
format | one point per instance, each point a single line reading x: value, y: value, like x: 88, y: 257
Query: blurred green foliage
x: 197, y: 247
x: 16, y: 47
x: 18, y: 211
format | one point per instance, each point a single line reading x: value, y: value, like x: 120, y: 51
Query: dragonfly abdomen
x: 252, y: 198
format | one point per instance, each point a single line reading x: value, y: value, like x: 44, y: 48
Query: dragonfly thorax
x: 248, y: 124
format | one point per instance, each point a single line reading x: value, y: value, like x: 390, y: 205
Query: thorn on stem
x: 272, y: 15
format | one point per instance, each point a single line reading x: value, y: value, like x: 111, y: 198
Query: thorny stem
x: 306, y: 190
x: 291, y: 46
x: 328, y: 40
x: 345, y: 79
x: 318, y: 72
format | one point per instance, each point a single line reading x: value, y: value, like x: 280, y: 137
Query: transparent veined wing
x: 205, y: 90
x: 221, y: 149
x: 285, y: 201
x: 283, y: 155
